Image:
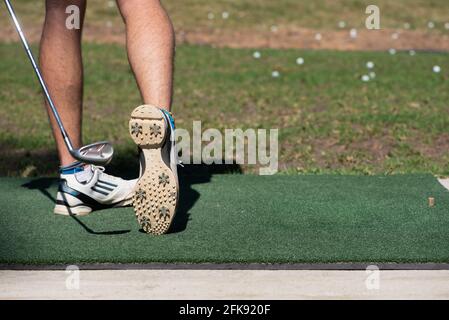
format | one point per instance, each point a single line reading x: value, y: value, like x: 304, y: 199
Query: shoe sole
x: 81, y: 210
x: 72, y: 211
x: 156, y: 193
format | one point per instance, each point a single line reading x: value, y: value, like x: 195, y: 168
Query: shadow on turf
x: 189, y: 175
x: 104, y: 233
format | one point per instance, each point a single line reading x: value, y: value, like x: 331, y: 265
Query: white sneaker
x: 99, y: 192
x: 157, y: 192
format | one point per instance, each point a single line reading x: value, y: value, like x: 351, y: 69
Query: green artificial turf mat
x: 234, y: 218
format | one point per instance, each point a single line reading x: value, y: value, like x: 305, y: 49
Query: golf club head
x: 99, y: 153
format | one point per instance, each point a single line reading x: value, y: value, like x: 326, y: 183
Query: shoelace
x: 102, y: 169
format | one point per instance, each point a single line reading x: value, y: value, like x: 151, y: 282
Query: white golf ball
x: 318, y: 37
x: 392, y: 51
x: 210, y: 16
x: 275, y: 74
x: 365, y: 78
x: 257, y: 55
x: 225, y: 15
x: 412, y: 52
x: 372, y: 74
x: 430, y: 25
x: 353, y: 33
x: 341, y: 24
x: 370, y: 64
x: 446, y: 26
x: 111, y: 4
x: 436, y: 69
x: 300, y: 61
x: 406, y: 25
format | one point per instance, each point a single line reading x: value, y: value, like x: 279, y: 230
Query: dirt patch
x: 301, y: 38
x: 435, y: 150
x: 375, y: 150
x: 288, y: 37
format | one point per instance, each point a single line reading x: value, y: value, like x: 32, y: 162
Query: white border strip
x: 444, y: 183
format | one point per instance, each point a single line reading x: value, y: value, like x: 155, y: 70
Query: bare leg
x: 62, y: 69
x: 150, y: 44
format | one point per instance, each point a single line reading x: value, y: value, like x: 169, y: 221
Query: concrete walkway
x: 224, y: 284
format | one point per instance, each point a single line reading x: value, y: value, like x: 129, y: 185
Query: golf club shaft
x: 39, y: 76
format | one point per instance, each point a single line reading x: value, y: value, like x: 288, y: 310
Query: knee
x: 63, y: 4
x: 57, y: 13
x: 59, y: 7
x: 130, y: 9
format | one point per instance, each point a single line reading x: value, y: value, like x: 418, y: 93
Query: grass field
x: 262, y: 14
x: 329, y: 120
x: 240, y: 218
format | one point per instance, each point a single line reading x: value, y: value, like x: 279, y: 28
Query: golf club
x: 99, y: 153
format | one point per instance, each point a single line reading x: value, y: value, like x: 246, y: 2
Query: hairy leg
x: 62, y: 69
x: 150, y: 44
